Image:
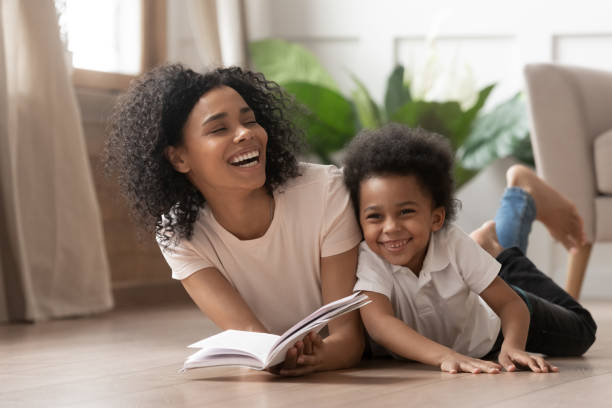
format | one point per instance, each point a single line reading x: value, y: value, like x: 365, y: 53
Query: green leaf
x: 397, y: 93
x: 523, y: 151
x: 465, y: 124
x: 500, y: 133
x: 321, y: 139
x: 284, y: 62
x: 367, y: 110
x: 439, y: 117
x: 330, y: 121
x: 329, y: 106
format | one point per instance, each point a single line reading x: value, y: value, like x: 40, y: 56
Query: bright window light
x: 103, y: 35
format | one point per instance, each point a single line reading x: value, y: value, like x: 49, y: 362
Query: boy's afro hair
x: 399, y: 150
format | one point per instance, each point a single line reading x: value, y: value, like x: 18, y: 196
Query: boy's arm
x: 514, y: 317
x: 396, y: 336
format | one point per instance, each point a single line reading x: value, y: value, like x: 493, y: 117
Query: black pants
x: 559, y: 325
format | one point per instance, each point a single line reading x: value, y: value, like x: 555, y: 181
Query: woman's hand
x: 509, y: 357
x: 456, y: 363
x: 290, y: 362
x: 305, y: 357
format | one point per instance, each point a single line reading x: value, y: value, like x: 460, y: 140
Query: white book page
x: 281, y: 346
x: 203, y: 359
x: 317, y: 313
x: 280, y: 350
x: 261, y: 350
x: 255, y: 344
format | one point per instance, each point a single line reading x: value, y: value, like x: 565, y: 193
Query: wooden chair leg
x: 576, y: 268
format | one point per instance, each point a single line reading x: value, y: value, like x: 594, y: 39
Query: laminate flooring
x: 131, y: 358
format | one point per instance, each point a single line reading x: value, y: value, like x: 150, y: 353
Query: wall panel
x: 483, y: 59
x: 592, y: 50
x: 340, y: 56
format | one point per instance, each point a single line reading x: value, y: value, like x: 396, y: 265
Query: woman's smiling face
x: 223, y: 146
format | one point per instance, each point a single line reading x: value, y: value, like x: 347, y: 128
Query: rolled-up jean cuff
x: 513, y: 220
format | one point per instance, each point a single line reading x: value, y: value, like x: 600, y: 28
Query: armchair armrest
x: 561, y: 136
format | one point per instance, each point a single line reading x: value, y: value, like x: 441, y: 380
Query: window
x: 109, y: 42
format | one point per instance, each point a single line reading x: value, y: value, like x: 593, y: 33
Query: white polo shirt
x: 442, y: 303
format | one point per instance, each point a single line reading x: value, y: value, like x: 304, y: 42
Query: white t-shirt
x: 279, y: 274
x: 442, y: 303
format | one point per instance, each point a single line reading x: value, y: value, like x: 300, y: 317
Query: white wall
x: 493, y: 39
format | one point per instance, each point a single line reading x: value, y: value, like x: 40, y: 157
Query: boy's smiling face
x: 397, y: 218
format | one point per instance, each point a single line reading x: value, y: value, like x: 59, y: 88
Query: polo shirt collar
x: 436, y: 258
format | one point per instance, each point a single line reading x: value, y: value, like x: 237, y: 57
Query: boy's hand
x: 509, y: 357
x: 455, y: 363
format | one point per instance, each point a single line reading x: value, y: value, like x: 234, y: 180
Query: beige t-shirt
x: 279, y: 274
x: 442, y: 303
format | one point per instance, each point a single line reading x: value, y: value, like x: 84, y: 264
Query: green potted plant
x: 332, y: 119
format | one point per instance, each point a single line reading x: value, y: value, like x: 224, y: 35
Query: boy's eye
x: 372, y: 216
x: 405, y: 211
x: 217, y: 130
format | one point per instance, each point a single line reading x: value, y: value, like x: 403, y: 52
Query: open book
x: 263, y: 350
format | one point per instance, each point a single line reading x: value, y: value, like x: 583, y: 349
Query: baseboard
x: 150, y: 295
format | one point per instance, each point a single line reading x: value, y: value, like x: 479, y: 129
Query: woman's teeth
x: 249, y: 164
x: 246, y: 160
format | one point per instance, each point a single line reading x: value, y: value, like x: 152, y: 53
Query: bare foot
x: 555, y: 211
x: 486, y: 237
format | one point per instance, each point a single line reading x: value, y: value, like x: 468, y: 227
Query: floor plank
x: 130, y: 358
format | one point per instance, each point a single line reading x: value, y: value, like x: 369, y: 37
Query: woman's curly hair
x: 399, y: 150
x: 151, y: 115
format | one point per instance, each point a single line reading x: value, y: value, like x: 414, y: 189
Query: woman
x: 257, y: 239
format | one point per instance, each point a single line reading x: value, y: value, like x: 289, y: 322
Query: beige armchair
x: 571, y: 124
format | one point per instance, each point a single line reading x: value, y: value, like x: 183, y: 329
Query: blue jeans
x: 516, y: 213
x: 559, y: 325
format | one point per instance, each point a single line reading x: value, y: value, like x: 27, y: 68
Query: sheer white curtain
x: 52, y: 255
x: 219, y: 32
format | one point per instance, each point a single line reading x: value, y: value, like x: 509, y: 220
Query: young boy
x: 438, y: 297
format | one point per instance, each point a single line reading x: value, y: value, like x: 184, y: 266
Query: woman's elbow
x: 355, y: 349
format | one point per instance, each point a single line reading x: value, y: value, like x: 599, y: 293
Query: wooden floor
x: 130, y: 358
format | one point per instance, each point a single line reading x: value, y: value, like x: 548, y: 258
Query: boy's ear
x: 438, y: 217
x: 175, y: 157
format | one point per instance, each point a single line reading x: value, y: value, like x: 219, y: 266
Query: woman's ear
x: 175, y: 157
x: 438, y: 217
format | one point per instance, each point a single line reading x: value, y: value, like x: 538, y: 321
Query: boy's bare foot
x: 556, y: 212
x: 486, y: 237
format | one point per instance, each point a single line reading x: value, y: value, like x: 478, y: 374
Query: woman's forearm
x: 344, y: 346
x: 220, y: 302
